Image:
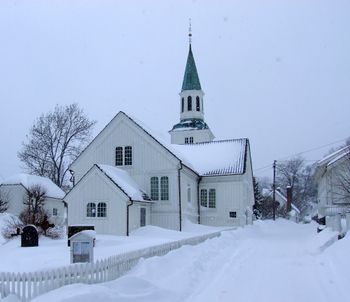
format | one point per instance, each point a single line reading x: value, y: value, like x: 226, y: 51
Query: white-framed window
x: 189, y: 140
x: 208, y: 202
x: 101, y: 209
x: 91, y: 209
x: 189, y: 103
x: 189, y: 193
x: 96, y: 209
x: 204, y: 197
x: 198, y: 104
x: 159, y: 188
x: 54, y: 212
x: 164, y: 188
x: 154, y: 188
x: 128, y: 156
x: 212, y: 198
x: 233, y: 214
x: 123, y: 156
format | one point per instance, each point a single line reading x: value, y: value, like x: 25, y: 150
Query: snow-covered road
x: 269, y: 261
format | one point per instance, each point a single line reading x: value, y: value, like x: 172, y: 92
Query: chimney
x: 289, y: 198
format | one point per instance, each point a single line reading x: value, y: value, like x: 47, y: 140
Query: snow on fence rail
x: 30, y: 285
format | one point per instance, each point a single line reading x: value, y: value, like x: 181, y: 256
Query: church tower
x: 191, y: 128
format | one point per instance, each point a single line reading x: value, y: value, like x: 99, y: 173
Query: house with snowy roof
x: 15, y: 190
x: 332, y: 176
x: 282, y: 200
x: 128, y: 176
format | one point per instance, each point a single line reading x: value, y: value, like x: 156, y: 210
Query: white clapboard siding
x: 30, y: 285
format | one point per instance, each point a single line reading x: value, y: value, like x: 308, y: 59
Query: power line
x: 300, y: 153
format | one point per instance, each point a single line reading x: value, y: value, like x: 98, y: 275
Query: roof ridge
x: 221, y: 141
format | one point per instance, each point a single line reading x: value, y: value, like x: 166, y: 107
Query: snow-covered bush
x: 10, y: 226
x: 56, y: 232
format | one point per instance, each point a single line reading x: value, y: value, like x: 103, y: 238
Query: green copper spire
x: 191, y: 79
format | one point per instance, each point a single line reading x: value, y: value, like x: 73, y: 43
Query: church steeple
x: 191, y: 78
x: 192, y: 128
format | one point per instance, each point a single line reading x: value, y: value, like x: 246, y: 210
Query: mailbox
x: 82, y: 247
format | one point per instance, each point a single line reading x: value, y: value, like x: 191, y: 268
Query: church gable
x: 124, y: 143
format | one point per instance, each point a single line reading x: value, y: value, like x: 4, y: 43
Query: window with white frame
x: 212, y: 198
x: 164, y: 188
x: 128, y: 156
x: 208, y: 202
x: 160, y: 188
x: 94, y: 209
x: 189, y: 140
x: 198, y: 104
x: 91, y: 209
x: 119, y: 156
x: 189, y: 193
x: 204, y: 197
x: 123, y: 156
x: 154, y: 188
x: 54, y: 212
x: 101, y: 209
x: 189, y: 103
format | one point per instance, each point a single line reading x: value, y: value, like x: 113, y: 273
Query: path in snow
x: 270, y: 261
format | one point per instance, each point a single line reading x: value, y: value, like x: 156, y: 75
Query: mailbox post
x: 82, y: 247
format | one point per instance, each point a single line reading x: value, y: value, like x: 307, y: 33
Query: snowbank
x: 55, y: 253
x: 227, y: 268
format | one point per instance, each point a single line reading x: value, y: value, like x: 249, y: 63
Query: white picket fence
x: 30, y: 285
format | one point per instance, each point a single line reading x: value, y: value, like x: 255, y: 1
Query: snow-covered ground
x: 56, y: 253
x: 269, y: 261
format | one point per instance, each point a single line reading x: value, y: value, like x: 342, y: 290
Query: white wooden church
x: 128, y: 178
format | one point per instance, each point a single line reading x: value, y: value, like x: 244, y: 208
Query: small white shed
x: 82, y: 247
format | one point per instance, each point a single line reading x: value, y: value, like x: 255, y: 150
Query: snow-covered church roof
x: 28, y: 181
x: 215, y: 158
x: 221, y: 157
x: 124, y: 181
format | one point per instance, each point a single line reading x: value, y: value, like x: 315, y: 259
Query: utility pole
x: 274, y: 190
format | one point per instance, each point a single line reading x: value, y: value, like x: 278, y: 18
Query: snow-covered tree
x: 34, y: 212
x: 54, y: 141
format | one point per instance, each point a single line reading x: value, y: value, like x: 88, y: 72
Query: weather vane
x: 190, y: 32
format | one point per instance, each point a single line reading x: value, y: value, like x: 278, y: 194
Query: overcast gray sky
x: 277, y: 72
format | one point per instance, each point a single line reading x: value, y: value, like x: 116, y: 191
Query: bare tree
x: 341, y: 177
x: 3, y: 202
x: 54, y: 141
x: 298, y: 176
x: 34, y: 201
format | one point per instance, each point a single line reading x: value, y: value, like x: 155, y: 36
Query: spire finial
x: 190, y: 32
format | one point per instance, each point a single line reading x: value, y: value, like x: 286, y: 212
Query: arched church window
x: 154, y: 188
x: 189, y: 103
x: 198, y: 104
x: 182, y: 105
x: 91, y: 209
x: 102, y: 209
x: 119, y: 156
x: 164, y: 188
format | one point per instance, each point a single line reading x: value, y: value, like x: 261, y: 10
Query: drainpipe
x: 179, y: 185
x: 127, y: 216
x: 198, y: 201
